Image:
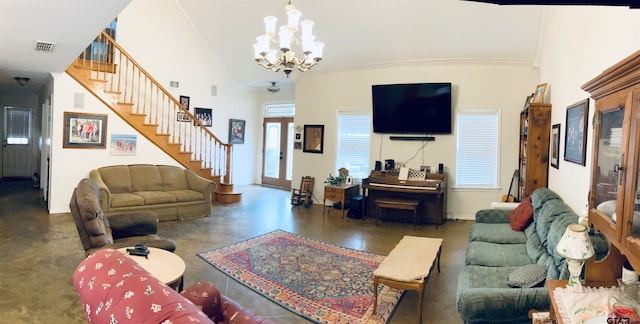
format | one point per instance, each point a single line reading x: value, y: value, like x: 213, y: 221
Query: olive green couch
x: 171, y: 192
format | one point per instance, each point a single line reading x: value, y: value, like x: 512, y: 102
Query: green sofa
x: 171, y: 192
x: 495, y: 250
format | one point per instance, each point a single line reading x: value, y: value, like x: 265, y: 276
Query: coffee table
x: 166, y: 266
x: 407, y: 267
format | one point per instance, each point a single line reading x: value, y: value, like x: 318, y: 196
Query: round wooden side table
x: 166, y: 266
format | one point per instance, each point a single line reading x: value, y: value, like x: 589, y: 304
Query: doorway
x: 277, y: 153
x: 17, y: 142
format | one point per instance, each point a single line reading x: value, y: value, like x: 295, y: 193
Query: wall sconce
x: 22, y: 81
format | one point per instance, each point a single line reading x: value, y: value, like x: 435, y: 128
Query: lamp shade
x: 575, y: 243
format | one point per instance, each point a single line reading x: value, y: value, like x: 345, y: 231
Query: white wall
x: 579, y: 43
x: 156, y: 33
x: 475, y: 85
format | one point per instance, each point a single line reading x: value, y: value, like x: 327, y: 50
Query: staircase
x: 116, y: 79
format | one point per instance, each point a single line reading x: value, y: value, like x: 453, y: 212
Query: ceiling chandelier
x: 287, y: 60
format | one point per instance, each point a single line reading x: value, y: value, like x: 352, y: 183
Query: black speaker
x: 441, y: 168
x: 356, y: 211
x: 378, y: 166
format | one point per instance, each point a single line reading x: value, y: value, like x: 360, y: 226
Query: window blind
x: 18, y: 125
x: 477, y: 148
x: 353, y: 143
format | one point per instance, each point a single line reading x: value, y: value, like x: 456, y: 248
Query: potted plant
x: 334, y: 181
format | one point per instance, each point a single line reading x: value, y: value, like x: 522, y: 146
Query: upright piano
x: 429, y: 188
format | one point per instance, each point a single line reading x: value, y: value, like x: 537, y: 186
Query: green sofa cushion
x: 492, y: 216
x: 483, y: 296
x: 546, y: 215
x: 557, y: 229
x: 534, y: 247
x: 496, y: 233
x: 497, y: 255
x: 540, y: 196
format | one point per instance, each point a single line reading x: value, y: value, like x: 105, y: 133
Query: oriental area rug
x: 322, y: 282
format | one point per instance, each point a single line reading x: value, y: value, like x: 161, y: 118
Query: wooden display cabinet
x: 614, y: 196
x: 533, y: 165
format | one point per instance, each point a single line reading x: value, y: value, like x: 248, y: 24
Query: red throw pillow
x: 522, y: 216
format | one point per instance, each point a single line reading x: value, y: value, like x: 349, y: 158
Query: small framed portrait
x: 236, y: 131
x: 575, y: 136
x: 83, y: 130
x: 555, y: 146
x: 538, y: 96
x: 205, y: 116
x: 184, y: 101
x: 183, y: 117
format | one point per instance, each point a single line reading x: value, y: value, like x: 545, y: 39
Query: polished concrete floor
x: 39, y: 253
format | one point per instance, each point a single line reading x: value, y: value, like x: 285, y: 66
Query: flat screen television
x: 413, y: 108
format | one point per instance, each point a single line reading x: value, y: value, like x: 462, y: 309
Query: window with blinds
x: 354, y: 134
x: 18, y: 127
x: 477, y: 148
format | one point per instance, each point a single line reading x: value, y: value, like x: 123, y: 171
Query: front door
x: 277, y: 152
x: 16, y: 142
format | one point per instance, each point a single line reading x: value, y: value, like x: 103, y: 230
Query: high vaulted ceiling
x: 357, y: 33
x: 361, y: 33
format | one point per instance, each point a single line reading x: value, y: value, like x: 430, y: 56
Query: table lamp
x: 575, y: 245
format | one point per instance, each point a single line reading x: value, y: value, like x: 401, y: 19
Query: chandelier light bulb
x: 294, y: 18
x: 285, y: 58
x: 270, y: 25
x: 307, y: 27
x: 285, y: 38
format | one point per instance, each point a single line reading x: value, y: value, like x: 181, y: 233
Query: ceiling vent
x: 42, y: 46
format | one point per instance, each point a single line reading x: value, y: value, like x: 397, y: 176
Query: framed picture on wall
x: 205, y: 116
x: 555, y: 146
x: 82, y: 130
x: 313, y: 139
x: 184, y: 101
x: 236, y: 131
x: 183, y: 117
x: 123, y: 144
x: 575, y: 136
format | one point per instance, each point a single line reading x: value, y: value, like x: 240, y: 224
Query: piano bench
x: 404, y: 204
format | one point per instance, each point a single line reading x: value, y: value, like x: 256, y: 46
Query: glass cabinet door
x: 631, y: 230
x: 608, y: 168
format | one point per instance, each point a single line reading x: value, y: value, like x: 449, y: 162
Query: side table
x: 341, y: 193
x: 551, y: 286
x: 166, y: 266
